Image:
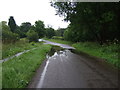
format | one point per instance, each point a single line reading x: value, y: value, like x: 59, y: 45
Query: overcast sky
x: 30, y: 11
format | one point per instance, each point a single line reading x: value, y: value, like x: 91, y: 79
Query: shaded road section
x: 65, y: 69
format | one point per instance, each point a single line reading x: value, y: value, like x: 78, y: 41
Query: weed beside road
x: 18, y: 71
x: 107, y: 52
x: 13, y: 48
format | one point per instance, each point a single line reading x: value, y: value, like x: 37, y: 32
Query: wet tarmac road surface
x: 57, y: 44
x: 65, y: 69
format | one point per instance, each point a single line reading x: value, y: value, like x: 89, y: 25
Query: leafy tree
x: 32, y: 36
x: 23, y: 29
x: 7, y: 35
x: 40, y: 28
x: 50, y: 32
x: 12, y: 24
x: 90, y: 21
x: 25, y: 26
x: 60, y: 32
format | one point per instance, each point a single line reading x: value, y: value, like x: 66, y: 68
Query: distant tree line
x: 90, y: 21
x: 7, y: 35
x: 12, y: 32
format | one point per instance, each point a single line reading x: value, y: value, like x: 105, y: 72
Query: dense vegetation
x: 18, y: 71
x: 7, y: 35
x: 50, y: 32
x: 19, y: 46
x: 60, y: 32
x: 108, y: 53
x: 17, y: 39
x: 93, y: 29
x: 94, y: 25
x: 90, y: 21
x: 12, y: 32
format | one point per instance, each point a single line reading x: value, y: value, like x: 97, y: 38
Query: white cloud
x: 30, y: 11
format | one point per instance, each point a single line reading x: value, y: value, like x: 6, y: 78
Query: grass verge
x: 18, y: 71
x: 107, y: 52
x: 11, y: 49
x: 0, y: 76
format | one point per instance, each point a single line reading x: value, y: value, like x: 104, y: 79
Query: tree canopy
x: 50, y: 32
x: 7, y: 35
x: 12, y: 24
x: 90, y: 21
x: 32, y: 36
x: 24, y: 28
x: 40, y: 28
x: 60, y: 31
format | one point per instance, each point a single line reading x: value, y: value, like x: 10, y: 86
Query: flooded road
x: 64, y: 69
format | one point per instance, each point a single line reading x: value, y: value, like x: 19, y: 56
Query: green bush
x: 50, y: 32
x: 32, y: 36
x: 7, y: 35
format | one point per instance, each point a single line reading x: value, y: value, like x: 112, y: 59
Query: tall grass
x: 107, y: 52
x: 0, y: 76
x: 0, y: 50
x: 10, y: 49
x: 18, y: 71
x: 0, y: 64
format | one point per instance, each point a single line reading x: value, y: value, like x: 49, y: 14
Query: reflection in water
x: 57, y: 51
x: 54, y: 51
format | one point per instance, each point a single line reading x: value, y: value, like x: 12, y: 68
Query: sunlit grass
x: 18, y: 71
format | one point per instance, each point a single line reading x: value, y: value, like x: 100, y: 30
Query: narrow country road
x: 65, y: 69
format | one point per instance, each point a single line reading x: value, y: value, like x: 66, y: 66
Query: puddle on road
x: 55, y: 50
